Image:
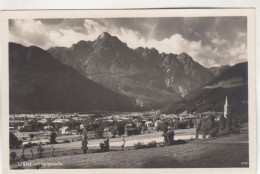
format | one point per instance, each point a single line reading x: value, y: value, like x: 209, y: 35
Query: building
x: 226, y: 108
x: 82, y: 126
x: 149, y: 124
x: 130, y: 125
x: 64, y: 130
x: 62, y: 121
x: 26, y: 127
x: 217, y: 117
x: 48, y: 127
x: 158, y: 123
x: 44, y: 120
x: 176, y: 119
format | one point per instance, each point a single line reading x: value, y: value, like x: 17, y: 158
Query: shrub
x: 120, y: 129
x: 34, y: 144
x: 213, y: 132
x: 114, y: 131
x: 224, y: 132
x: 160, y: 127
x: 28, y: 145
x: 144, y: 128
x: 236, y: 130
x: 139, y: 145
x: 207, y: 124
x: 99, y: 133
x: 14, y: 142
x: 190, y: 123
x: 53, y: 136
x: 152, y: 144
x: 31, y: 136
x: 176, y: 125
x: 13, y: 156
x: 138, y: 130
x: 39, y: 150
x: 168, y: 137
x: 130, y: 131
x: 222, y: 123
x: 66, y: 141
x: 183, y: 125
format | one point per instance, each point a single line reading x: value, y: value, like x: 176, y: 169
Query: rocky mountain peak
x: 105, y: 40
x: 143, y: 71
x: 104, y: 35
x: 81, y: 44
x: 184, y: 56
x: 148, y: 53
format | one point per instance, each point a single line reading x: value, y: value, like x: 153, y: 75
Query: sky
x: 211, y: 41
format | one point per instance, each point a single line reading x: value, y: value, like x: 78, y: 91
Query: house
x: 157, y: 123
x: 138, y: 124
x: 60, y: 120
x: 64, y: 130
x: 175, y: 119
x: 110, y: 120
x: 43, y: 121
x: 126, y: 119
x: 26, y: 127
x: 77, y: 118
x: 149, y: 124
x: 82, y: 126
x: 217, y: 117
x: 48, y: 127
x: 128, y: 126
x: 183, y: 118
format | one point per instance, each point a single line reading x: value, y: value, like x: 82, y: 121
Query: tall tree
x: 84, y: 142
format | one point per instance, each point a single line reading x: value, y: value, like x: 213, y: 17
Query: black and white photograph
x: 129, y: 92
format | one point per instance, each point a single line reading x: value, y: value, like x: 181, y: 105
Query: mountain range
x: 153, y: 79
x: 107, y: 75
x: 231, y: 83
x: 39, y: 83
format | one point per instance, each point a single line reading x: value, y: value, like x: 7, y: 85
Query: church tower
x: 226, y: 108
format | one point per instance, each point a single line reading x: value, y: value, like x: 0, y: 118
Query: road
x: 181, y: 134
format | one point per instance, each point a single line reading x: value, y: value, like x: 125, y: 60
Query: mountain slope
x: 39, y: 83
x: 233, y: 83
x: 184, y: 74
x: 218, y: 70
x: 151, y: 78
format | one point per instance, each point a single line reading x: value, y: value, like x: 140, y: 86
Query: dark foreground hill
x: 39, y: 83
x: 233, y: 83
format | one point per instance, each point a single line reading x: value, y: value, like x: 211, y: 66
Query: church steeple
x: 226, y: 108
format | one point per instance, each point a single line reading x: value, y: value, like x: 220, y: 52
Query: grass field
x: 228, y: 151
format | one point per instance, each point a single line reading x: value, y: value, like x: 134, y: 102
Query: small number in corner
x: 244, y: 163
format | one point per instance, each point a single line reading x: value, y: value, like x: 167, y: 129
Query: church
x: 226, y: 108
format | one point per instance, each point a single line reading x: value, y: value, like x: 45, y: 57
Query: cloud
x: 34, y: 32
x: 212, y: 49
